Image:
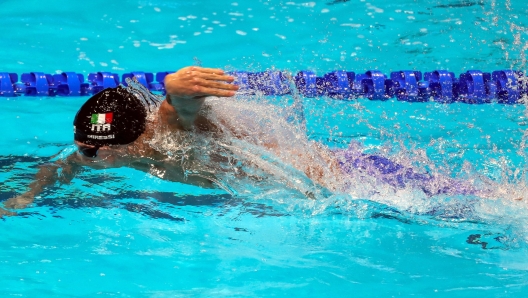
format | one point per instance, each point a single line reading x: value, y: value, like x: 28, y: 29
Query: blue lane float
x: 102, y: 80
x: 70, y: 84
x: 7, y: 84
x: 406, y: 86
x: 375, y: 86
x: 509, y: 87
x: 37, y: 84
x: 442, y: 86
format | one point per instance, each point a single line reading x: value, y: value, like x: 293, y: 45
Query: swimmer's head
x: 113, y: 116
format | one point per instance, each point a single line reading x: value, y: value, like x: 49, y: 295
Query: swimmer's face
x: 87, y: 150
x: 93, y: 152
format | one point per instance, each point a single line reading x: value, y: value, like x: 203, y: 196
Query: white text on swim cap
x: 101, y: 127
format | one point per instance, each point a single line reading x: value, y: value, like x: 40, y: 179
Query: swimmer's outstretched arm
x: 186, y: 92
x: 47, y: 175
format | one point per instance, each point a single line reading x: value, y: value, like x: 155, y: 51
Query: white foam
x: 376, y: 9
x: 351, y: 25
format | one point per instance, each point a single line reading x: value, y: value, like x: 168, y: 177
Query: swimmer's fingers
x: 207, y: 70
x: 212, y: 74
x: 192, y: 72
x: 216, y: 77
x: 206, y: 91
x: 216, y: 85
x: 6, y: 212
x: 196, y: 81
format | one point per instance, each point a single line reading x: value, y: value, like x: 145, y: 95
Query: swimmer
x: 115, y: 128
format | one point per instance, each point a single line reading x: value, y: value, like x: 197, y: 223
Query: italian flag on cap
x: 102, y: 118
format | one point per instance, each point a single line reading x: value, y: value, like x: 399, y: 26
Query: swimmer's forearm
x: 46, y: 176
x: 185, y: 110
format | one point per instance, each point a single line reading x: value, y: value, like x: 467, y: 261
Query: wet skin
x: 186, y: 93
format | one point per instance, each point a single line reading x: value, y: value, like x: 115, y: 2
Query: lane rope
x: 472, y: 87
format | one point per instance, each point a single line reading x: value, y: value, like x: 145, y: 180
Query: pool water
x: 121, y: 232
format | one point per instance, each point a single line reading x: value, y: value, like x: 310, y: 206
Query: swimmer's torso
x: 227, y: 139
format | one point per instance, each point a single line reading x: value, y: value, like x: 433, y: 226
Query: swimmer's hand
x: 194, y: 82
x: 19, y: 202
x: 186, y: 92
x: 5, y: 212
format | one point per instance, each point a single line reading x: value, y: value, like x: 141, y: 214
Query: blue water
x: 121, y: 232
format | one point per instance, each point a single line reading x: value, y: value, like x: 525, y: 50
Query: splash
x: 260, y: 153
x: 257, y: 150
x: 253, y: 150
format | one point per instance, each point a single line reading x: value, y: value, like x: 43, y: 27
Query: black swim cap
x: 114, y: 116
